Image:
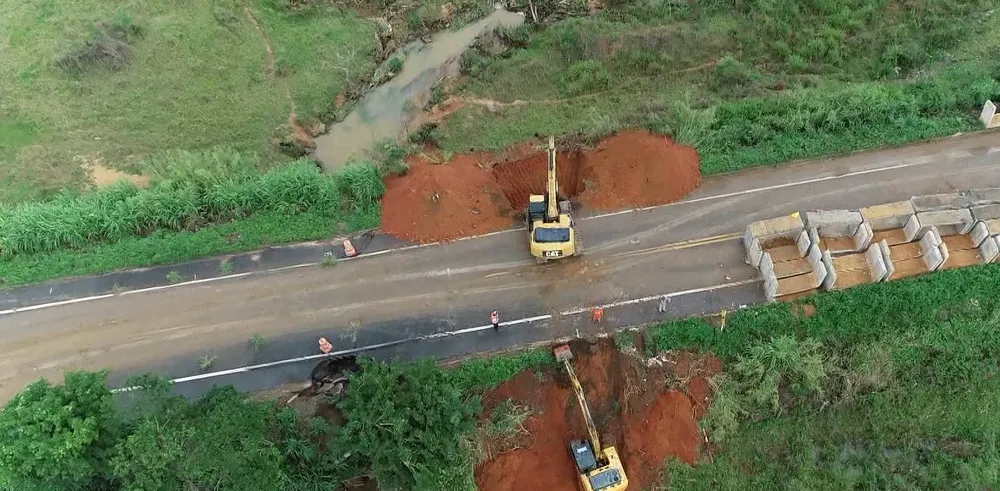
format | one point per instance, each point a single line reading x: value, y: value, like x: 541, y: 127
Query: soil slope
x: 478, y: 193
x: 648, y: 413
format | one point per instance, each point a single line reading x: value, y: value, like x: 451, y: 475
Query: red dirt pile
x: 478, y: 193
x: 647, y: 413
x: 444, y: 201
x: 636, y: 169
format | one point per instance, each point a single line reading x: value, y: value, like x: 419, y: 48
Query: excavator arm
x: 552, y: 189
x: 595, y: 439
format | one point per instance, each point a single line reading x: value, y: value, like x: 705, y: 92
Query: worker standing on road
x: 495, y: 320
x: 663, y: 304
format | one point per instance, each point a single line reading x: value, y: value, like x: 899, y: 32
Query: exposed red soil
x: 436, y: 202
x: 636, y: 169
x: 647, y: 413
x: 480, y: 192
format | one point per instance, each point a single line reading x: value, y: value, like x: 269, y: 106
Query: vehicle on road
x: 551, y: 229
x: 599, y: 469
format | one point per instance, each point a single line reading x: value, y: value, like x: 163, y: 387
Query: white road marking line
x: 54, y: 304
x: 437, y: 335
x: 650, y: 298
x: 186, y: 283
x: 923, y: 160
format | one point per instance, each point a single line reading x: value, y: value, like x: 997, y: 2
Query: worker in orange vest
x: 325, y: 346
x: 495, y: 320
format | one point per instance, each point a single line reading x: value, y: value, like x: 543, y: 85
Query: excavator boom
x: 581, y: 398
x: 552, y: 189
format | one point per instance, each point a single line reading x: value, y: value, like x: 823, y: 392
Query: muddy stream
x: 386, y: 111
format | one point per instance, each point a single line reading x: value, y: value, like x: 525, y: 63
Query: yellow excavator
x: 551, y: 229
x: 599, y: 469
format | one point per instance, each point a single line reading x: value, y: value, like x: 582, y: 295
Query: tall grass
x: 195, y: 199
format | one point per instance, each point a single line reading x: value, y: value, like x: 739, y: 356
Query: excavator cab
x: 551, y: 229
x: 599, y: 469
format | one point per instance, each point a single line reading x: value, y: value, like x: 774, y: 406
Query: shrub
x: 58, y: 437
x: 411, y: 425
x: 110, y: 46
x: 585, y: 76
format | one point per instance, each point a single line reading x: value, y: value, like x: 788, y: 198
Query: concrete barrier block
x: 754, y: 252
x: 819, y: 269
x: 939, y: 202
x: 986, y: 212
x: 876, y: 263
x: 883, y: 248
x: 935, y: 252
x: 987, y: 196
x: 786, y: 226
x: 770, y: 287
x: 888, y: 216
x: 863, y: 237
x: 948, y: 222
x: 990, y: 250
x: 831, y: 273
x: 766, y: 264
x: 913, y: 230
x: 803, y: 243
x: 834, y: 223
x: 979, y: 233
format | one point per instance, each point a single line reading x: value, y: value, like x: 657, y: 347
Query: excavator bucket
x: 563, y: 353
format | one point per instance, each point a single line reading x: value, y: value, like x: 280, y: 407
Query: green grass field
x: 198, y: 77
x: 748, y: 83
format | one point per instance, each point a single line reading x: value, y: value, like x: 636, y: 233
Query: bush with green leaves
x: 411, y: 425
x: 58, y: 436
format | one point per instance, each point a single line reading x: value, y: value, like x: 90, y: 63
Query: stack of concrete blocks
x: 914, y: 258
x: 951, y: 214
x: 987, y: 231
x: 781, y: 249
x: 838, y: 231
x: 887, y: 221
x: 847, y: 270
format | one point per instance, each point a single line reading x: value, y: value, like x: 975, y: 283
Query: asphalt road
x: 685, y: 247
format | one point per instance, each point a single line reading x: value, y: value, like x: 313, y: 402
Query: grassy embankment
x: 879, y: 387
x: 747, y: 83
x: 888, y: 386
x: 753, y: 85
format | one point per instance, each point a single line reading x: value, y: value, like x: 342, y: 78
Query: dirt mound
x: 635, y: 169
x: 647, y: 413
x: 444, y: 201
x: 479, y: 193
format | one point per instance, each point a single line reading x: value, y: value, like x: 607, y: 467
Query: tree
x: 222, y: 442
x: 58, y: 436
x: 411, y: 424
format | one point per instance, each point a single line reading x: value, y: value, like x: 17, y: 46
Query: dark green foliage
x: 411, y: 424
x: 220, y: 442
x: 58, y: 437
x: 901, y: 385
